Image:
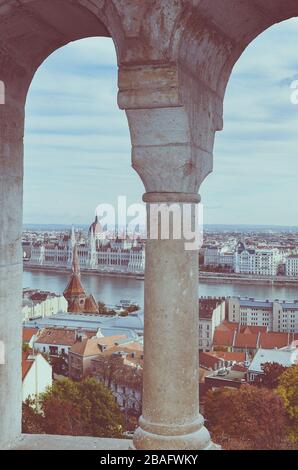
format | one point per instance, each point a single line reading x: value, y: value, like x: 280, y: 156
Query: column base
x: 156, y: 437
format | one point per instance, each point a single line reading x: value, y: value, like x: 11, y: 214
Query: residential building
x: 292, y: 265
x: 286, y: 357
x: 263, y: 262
x: 131, y: 325
x: 234, y: 377
x: 215, y: 360
x: 85, y: 350
x: 56, y: 342
x: 278, y: 316
x: 121, y: 369
x: 29, y: 336
x: 241, y: 338
x: 211, y: 314
x: 215, y: 257
x: 36, y: 375
x: 40, y: 304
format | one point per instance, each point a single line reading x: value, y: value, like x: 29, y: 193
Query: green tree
x: 102, y: 308
x: 133, y: 308
x: 251, y: 416
x: 60, y: 364
x: 288, y: 391
x: 32, y: 421
x: 272, y: 372
x: 25, y: 347
x: 124, y: 313
x: 84, y: 408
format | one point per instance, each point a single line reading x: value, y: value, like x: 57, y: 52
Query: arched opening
x: 77, y: 156
x: 175, y: 59
x: 250, y: 209
x: 254, y: 154
x: 36, y: 30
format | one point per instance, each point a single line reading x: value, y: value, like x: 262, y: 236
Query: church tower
x: 75, y: 293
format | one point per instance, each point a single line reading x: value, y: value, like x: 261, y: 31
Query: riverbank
x: 206, y: 277
x: 281, y: 281
x: 55, y: 269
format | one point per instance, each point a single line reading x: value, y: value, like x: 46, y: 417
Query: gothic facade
x: 95, y: 253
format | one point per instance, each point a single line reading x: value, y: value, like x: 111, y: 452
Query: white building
x: 122, y: 373
x: 55, y: 341
x: 256, y: 261
x: 36, y: 375
x: 277, y: 316
x: 95, y: 254
x: 40, y: 304
x: 211, y: 314
x: 286, y: 357
x: 292, y: 265
x: 219, y: 257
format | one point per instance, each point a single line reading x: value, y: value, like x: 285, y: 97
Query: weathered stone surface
x: 48, y: 442
x: 11, y: 184
x: 148, y: 86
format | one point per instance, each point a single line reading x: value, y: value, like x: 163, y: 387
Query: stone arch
x: 207, y: 39
x: 175, y: 59
x: 30, y: 31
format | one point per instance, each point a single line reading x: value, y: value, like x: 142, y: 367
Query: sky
x: 77, y: 143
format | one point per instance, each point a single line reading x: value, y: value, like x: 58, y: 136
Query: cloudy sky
x: 77, y: 145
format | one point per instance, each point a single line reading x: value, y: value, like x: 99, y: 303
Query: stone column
x: 170, y: 417
x: 11, y: 179
x: 172, y: 163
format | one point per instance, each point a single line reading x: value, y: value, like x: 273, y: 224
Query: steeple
x: 75, y: 262
x: 75, y: 293
x: 73, y: 237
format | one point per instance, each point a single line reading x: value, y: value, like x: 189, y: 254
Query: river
x: 111, y: 289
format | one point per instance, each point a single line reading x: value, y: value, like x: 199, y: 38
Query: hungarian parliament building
x: 95, y: 253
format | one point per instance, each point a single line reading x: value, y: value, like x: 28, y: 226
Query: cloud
x: 77, y: 143
x: 255, y: 156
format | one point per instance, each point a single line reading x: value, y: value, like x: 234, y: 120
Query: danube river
x: 110, y: 289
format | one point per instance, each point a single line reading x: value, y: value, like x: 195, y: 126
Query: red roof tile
x: 251, y: 337
x: 229, y: 356
x: 57, y: 336
x: 90, y: 305
x: 26, y: 364
x: 28, y: 333
x: 207, y: 360
x: 276, y: 340
x: 74, y: 287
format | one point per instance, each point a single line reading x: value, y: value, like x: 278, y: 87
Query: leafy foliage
x: 252, y: 416
x: 103, y: 310
x: 288, y: 391
x: 272, y: 372
x: 32, y: 421
x: 25, y: 347
x: 84, y: 408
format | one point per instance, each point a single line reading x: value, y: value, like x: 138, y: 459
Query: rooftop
x: 94, y: 346
x: 28, y: 333
x: 207, y: 307
x: 285, y: 357
x: 252, y: 337
x: 59, y: 336
x: 27, y: 362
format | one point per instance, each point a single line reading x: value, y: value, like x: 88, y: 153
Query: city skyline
x: 80, y: 139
